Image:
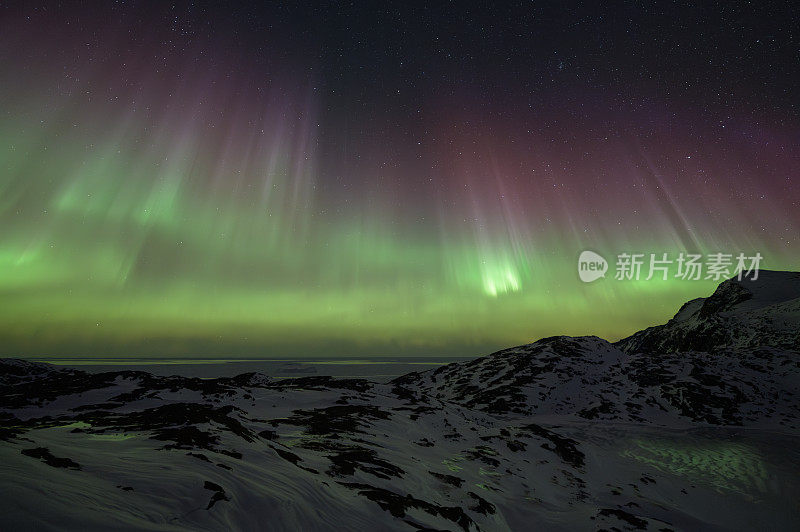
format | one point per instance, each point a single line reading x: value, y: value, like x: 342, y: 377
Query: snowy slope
x: 562, y: 434
x: 739, y: 314
x: 590, y: 378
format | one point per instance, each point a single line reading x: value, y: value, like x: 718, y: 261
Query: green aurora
x: 173, y: 209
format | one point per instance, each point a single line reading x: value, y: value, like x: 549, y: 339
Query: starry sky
x: 379, y: 179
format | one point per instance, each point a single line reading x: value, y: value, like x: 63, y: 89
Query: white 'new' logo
x: 591, y: 266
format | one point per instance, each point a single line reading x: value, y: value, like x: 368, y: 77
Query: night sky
x: 367, y: 179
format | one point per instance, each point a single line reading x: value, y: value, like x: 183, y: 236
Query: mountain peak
x: 764, y: 311
x: 769, y: 288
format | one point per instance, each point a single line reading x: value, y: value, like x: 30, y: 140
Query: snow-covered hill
x: 562, y: 434
x: 589, y: 378
x: 739, y: 314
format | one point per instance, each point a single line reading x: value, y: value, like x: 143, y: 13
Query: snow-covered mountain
x: 746, y: 313
x: 658, y: 432
x: 590, y: 378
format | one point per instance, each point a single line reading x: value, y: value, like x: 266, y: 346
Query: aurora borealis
x: 346, y: 180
